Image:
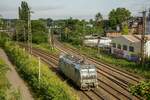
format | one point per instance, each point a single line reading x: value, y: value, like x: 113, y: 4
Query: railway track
x: 128, y: 78
x: 103, y: 85
x: 119, y: 78
x: 53, y: 63
x: 109, y: 87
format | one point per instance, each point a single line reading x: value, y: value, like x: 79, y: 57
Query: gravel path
x: 15, y: 80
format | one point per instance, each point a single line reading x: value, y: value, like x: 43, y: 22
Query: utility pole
x: 98, y: 48
x: 50, y: 34
x: 24, y: 34
x: 143, y: 38
x: 50, y: 37
x: 39, y: 77
x: 29, y: 32
x: 17, y: 34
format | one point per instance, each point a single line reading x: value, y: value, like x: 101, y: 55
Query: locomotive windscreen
x: 88, y: 72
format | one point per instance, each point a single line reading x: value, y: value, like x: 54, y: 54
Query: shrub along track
x: 109, y: 86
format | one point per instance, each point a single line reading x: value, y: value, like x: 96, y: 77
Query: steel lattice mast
x: 29, y: 32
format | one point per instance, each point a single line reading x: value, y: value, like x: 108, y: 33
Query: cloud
x: 47, y: 8
x: 7, y: 9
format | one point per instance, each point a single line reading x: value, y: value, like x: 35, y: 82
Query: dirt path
x: 15, y: 80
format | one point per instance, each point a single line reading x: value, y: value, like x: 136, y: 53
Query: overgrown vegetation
x: 46, y: 47
x: 50, y: 86
x: 74, y: 30
x: 39, y: 31
x: 142, y: 89
x: 118, y: 16
x: 6, y: 92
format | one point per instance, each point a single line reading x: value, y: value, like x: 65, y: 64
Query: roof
x: 91, y: 37
x: 104, y: 37
x: 112, y: 31
x: 131, y: 38
x: 146, y: 36
x: 134, y: 38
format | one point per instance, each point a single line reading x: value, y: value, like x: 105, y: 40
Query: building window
x: 119, y: 46
x: 124, y: 47
x: 131, y: 48
x: 114, y: 45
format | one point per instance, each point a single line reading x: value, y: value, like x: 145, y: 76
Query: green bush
x: 50, y: 86
x: 142, y: 89
x: 45, y: 47
x: 3, y: 39
x: 3, y: 81
x: 39, y: 31
x: 39, y: 37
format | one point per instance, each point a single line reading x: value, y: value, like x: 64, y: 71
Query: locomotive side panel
x: 70, y: 71
x: 77, y: 77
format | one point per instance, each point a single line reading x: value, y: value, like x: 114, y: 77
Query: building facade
x: 129, y: 47
x: 113, y: 34
x: 97, y: 41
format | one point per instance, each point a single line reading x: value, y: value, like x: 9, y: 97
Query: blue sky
x: 62, y: 9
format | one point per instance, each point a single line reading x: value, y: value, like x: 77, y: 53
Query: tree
x: 20, y: 31
x: 1, y: 22
x: 98, y: 27
x: 98, y: 18
x: 116, y: 17
x: 38, y: 25
x: 49, y: 22
x: 125, y: 29
x: 39, y: 31
x: 24, y: 11
x: 69, y: 29
x: 91, y: 21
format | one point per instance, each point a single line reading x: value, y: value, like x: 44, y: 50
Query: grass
x: 45, y: 47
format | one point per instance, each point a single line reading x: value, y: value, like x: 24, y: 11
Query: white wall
x: 148, y: 27
x: 123, y: 41
x: 91, y: 42
x: 94, y: 42
x: 104, y: 42
x: 147, y: 48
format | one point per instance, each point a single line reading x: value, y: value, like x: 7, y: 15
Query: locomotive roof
x: 79, y: 63
x: 73, y: 58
